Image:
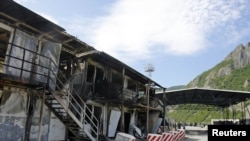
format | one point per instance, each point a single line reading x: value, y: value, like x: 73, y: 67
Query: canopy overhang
x: 213, y: 97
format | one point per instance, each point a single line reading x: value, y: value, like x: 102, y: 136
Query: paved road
x: 196, y: 133
x: 191, y: 134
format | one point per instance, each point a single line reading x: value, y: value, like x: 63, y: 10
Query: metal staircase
x: 66, y: 104
x: 77, y: 117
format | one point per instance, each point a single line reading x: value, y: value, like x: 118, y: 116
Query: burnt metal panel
x: 10, y: 131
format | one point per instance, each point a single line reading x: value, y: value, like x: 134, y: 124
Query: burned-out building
x: 54, y: 86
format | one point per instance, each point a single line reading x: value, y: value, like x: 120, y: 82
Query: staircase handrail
x: 71, y: 98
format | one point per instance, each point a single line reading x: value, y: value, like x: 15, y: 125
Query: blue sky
x: 180, y: 38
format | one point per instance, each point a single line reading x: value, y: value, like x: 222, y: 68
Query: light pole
x: 148, y: 68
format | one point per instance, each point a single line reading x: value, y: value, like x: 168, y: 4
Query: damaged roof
x: 23, y: 18
x: 213, y: 97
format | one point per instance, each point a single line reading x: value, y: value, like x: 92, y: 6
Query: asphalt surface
x: 192, y: 133
x: 196, y: 133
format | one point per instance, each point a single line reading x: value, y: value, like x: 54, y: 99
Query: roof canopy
x: 214, y: 97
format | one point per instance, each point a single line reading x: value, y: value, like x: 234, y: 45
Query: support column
x: 41, y: 117
x: 147, y: 93
x: 164, y: 111
x: 105, y: 120
x: 122, y: 106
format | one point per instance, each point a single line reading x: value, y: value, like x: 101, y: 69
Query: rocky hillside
x: 232, y: 73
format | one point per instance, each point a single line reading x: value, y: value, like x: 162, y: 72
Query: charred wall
x: 20, y: 118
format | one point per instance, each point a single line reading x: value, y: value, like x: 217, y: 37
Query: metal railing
x: 129, y: 94
x: 80, y: 108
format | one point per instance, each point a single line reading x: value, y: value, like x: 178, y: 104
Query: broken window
x: 117, y: 78
x: 131, y: 85
x: 48, y: 60
x: 90, y: 73
x: 4, y: 40
x: 99, y: 74
x: 116, y: 85
x: 130, y: 89
x: 94, y: 74
x: 141, y: 90
x: 21, y: 56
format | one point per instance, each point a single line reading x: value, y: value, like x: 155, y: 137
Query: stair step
x: 57, y: 107
x: 61, y: 111
x: 55, y: 101
x: 75, y: 128
x: 72, y: 124
x: 39, y: 88
x: 52, y: 103
x: 69, y: 121
x: 49, y: 99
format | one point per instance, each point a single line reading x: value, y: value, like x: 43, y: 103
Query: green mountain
x: 232, y: 73
x: 176, y: 87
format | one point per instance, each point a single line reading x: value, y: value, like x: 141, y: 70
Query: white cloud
x: 137, y: 29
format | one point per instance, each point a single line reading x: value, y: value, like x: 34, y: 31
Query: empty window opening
x: 90, y: 73
x: 4, y: 40
x: 117, y: 78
